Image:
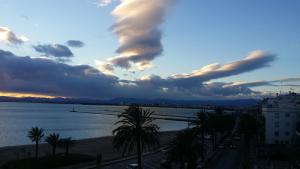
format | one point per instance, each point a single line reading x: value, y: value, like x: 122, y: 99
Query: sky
x: 183, y: 49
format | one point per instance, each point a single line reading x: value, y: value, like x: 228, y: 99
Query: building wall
x: 280, y: 125
x: 281, y: 117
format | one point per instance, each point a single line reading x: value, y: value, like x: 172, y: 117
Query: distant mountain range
x: 127, y: 101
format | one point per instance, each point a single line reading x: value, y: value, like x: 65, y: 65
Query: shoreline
x: 114, y: 104
x: 89, y: 146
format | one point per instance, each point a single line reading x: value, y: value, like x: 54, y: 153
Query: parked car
x: 132, y: 166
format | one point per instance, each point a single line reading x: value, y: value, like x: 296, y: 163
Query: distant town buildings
x: 282, y: 113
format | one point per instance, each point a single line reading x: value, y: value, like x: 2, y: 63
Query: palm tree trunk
x: 36, y: 150
x: 139, y: 152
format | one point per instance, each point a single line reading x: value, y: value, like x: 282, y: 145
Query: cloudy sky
x: 176, y: 49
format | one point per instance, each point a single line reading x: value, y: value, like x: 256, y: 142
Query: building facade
x: 282, y: 114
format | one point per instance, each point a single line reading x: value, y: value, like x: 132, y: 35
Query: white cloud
x: 276, y: 83
x: 102, y: 3
x: 104, y: 67
x: 137, y: 26
x: 7, y: 36
x: 254, y: 60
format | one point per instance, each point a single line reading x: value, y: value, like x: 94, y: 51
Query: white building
x: 282, y: 114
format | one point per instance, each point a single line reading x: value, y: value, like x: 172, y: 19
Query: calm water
x: 17, y: 118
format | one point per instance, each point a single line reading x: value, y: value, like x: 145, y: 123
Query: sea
x: 88, y: 121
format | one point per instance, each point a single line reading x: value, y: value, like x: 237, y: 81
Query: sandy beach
x: 91, y: 146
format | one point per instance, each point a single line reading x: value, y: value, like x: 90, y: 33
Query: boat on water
x: 73, y: 109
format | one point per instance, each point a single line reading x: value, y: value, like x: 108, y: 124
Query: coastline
x: 90, y: 146
x: 112, y: 104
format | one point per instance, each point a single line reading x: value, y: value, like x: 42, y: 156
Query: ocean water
x: 17, y: 118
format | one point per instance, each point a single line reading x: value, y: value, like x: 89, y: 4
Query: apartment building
x: 282, y: 113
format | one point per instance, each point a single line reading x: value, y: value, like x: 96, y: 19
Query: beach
x: 92, y: 146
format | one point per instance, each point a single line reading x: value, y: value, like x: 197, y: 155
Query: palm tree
x: 36, y: 134
x: 67, y: 143
x: 53, y: 140
x: 202, y: 126
x: 136, y: 130
x: 185, y: 148
x: 248, y: 126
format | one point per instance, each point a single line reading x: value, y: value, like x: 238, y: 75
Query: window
x: 276, y: 133
x: 287, y: 124
x: 287, y: 133
x: 287, y: 115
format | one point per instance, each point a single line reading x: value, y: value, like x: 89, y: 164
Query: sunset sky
x: 176, y: 49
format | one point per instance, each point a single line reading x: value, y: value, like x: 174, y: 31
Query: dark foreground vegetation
x: 48, y: 162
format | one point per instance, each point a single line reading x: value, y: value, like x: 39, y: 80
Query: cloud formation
x: 276, y: 83
x: 43, y: 76
x: 75, y: 43
x: 104, y: 2
x: 137, y: 26
x: 55, y: 50
x: 7, y: 36
x: 253, y: 61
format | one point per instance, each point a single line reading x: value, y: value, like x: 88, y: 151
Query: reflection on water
x: 17, y: 118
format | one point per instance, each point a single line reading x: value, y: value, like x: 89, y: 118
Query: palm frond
x: 135, y: 123
x: 35, y: 134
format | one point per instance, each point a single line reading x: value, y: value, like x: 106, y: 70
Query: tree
x: 185, y: 148
x: 248, y: 126
x: 136, y: 130
x: 36, y: 134
x: 53, y: 140
x: 219, y: 110
x: 67, y: 143
x: 202, y: 126
x: 213, y: 123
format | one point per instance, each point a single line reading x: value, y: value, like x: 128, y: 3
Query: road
x: 226, y: 159
x: 151, y: 161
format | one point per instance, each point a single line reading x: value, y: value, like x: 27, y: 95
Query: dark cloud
x: 75, y: 43
x: 44, y: 76
x: 145, y: 49
x: 55, y: 50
